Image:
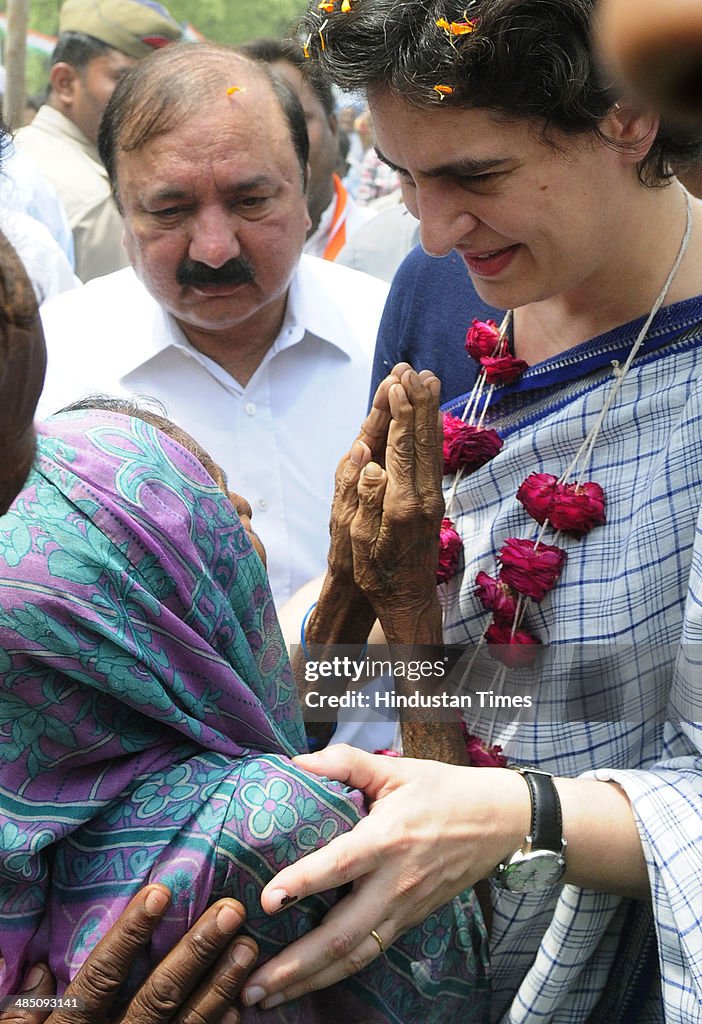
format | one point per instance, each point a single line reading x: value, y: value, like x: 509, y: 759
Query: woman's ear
x: 631, y: 127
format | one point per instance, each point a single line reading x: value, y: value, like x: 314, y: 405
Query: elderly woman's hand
x: 369, y: 445
x: 395, y: 529
x: 385, y: 521
x: 199, y: 980
x: 343, y: 614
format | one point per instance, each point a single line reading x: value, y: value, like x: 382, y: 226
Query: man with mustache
x: 259, y: 352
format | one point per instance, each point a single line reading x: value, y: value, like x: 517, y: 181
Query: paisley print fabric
x: 148, y: 718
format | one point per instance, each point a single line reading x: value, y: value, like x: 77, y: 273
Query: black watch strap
x: 546, y: 817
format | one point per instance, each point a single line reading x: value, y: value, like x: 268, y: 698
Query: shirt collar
x: 311, y: 306
x: 308, y: 311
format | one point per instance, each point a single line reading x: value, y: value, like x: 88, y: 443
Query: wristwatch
x: 540, y: 862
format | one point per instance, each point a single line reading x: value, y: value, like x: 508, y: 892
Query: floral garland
x: 527, y: 568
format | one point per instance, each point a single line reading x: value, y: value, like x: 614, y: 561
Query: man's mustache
x: 235, y: 271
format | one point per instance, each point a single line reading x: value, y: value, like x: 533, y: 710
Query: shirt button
x: 250, y: 409
x: 262, y: 504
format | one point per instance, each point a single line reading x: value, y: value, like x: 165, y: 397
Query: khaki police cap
x: 136, y: 27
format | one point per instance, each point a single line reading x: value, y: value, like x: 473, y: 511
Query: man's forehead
x: 181, y: 165
x: 113, y: 60
x: 247, y: 107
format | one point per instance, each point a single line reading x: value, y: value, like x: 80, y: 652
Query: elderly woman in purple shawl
x: 147, y: 725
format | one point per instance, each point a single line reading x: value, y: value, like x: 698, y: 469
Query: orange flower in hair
x: 456, y: 28
x: 462, y: 28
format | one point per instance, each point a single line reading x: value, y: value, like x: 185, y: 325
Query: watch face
x: 530, y: 872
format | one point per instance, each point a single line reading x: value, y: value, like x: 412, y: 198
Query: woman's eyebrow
x: 463, y: 167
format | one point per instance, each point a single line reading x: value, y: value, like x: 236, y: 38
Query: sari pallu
x: 147, y: 720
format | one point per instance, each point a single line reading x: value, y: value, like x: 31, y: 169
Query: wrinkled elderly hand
x: 369, y: 445
x: 395, y: 529
x: 385, y: 520
x: 197, y: 983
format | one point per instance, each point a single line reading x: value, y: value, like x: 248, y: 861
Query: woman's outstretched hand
x: 432, y: 831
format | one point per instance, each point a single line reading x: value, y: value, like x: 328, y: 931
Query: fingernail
x: 228, y: 919
x: 254, y: 994
x: 356, y: 453
x: 156, y: 902
x: 372, y: 470
x: 279, y: 899
x: 230, y: 1016
x: 276, y: 1000
x: 243, y: 955
x: 33, y: 978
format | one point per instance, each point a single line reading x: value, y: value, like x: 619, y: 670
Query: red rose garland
x: 481, y: 755
x: 450, y: 547
x: 498, y: 597
x: 572, y: 508
x: 528, y: 569
x: 467, y: 447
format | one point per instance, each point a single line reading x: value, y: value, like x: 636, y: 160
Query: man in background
x: 334, y: 215
x: 98, y: 41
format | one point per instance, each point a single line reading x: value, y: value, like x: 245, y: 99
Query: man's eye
x: 167, y: 212
x: 251, y: 203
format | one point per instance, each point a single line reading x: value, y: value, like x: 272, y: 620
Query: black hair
x: 525, y: 59
x: 175, y: 82
x: 271, y: 51
x: 78, y: 50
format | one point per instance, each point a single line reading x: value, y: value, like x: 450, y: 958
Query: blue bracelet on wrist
x: 303, y: 645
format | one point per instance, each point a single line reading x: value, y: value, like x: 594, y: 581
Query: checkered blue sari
x: 618, y: 692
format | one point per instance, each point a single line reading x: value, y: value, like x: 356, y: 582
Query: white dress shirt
x: 280, y: 437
